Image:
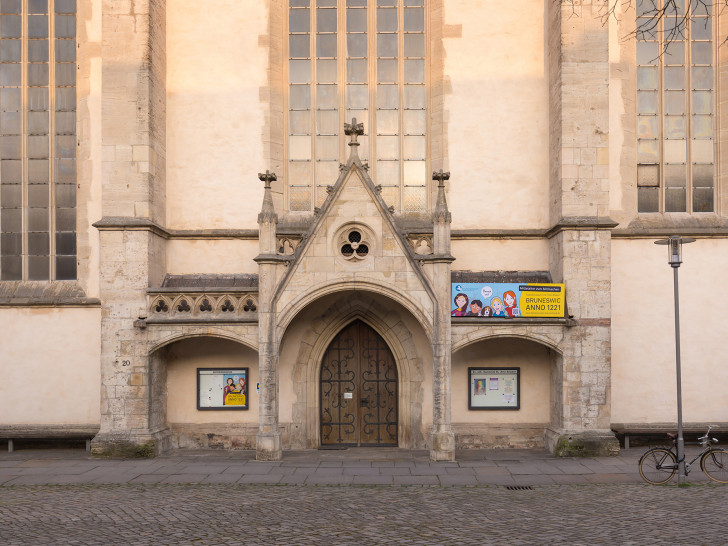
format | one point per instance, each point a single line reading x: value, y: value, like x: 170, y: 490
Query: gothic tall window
x: 363, y: 59
x: 675, y: 106
x: 37, y: 139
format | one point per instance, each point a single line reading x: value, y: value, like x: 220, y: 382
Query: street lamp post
x: 674, y: 247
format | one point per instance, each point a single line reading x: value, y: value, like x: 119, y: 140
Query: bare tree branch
x: 670, y: 21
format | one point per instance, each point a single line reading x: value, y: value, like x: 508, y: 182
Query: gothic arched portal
x: 358, y: 390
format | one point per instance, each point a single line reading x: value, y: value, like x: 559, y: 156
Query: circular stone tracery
x: 355, y: 248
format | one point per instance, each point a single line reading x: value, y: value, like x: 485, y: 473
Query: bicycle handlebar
x: 705, y: 440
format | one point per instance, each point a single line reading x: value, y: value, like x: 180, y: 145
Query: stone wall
x: 131, y: 260
x: 580, y: 239
x: 521, y: 436
x: 579, y: 106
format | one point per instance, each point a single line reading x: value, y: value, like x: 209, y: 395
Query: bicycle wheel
x: 657, y: 465
x: 715, y: 465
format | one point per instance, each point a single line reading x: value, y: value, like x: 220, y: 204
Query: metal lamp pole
x: 674, y: 246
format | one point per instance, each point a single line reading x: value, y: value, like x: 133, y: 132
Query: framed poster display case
x: 222, y: 388
x: 494, y: 388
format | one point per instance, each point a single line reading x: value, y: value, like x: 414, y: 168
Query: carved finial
x: 441, y: 211
x: 354, y: 130
x: 267, y: 211
x: 267, y: 178
x: 440, y: 176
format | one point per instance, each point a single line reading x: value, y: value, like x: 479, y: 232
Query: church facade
x: 304, y: 224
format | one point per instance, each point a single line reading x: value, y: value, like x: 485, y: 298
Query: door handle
x: 364, y: 402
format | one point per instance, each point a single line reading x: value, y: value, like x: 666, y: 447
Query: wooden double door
x: 358, y: 390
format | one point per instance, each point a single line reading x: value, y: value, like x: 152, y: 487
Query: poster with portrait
x: 222, y: 389
x: 494, y: 388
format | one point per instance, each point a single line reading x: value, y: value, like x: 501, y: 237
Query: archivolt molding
x: 552, y: 336
x: 423, y: 316
x: 158, y: 338
x: 323, y: 329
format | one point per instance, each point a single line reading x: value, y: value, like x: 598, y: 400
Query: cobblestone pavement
x: 264, y: 514
x: 355, y: 497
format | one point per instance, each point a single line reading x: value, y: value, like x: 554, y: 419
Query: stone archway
x: 540, y: 370
x: 160, y: 335
x: 172, y: 383
x: 388, y: 321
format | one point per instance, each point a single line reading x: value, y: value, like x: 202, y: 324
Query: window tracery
x: 362, y: 59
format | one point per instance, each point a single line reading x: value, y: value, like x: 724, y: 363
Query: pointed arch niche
x: 310, y: 333
x: 540, y: 392
x: 173, y: 414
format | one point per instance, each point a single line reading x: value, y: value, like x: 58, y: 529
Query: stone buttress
x: 580, y: 238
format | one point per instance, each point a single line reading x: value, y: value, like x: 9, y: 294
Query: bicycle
x: 659, y: 464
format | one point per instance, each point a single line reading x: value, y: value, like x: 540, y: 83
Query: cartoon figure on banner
x: 497, y: 306
x: 487, y: 311
x: 511, y: 304
x: 229, y: 387
x: 461, y: 305
x: 234, y: 391
x: 475, y: 307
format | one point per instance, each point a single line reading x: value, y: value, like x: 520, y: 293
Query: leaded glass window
x: 363, y: 59
x: 37, y: 139
x: 675, y: 113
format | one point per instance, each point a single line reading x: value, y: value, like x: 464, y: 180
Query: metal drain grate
x: 519, y: 487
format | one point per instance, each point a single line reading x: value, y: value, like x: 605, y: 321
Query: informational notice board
x: 494, y: 388
x: 508, y: 300
x: 222, y: 388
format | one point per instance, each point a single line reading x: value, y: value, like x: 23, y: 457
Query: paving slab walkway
x: 376, y: 466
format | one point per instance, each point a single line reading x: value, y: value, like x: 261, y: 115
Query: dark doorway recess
x: 359, y: 403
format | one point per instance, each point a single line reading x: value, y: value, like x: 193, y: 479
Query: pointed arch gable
x: 296, y: 274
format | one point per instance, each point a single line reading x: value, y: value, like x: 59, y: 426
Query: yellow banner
x: 543, y: 300
x: 235, y: 399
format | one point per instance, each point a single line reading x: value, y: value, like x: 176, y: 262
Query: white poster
x: 494, y: 388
